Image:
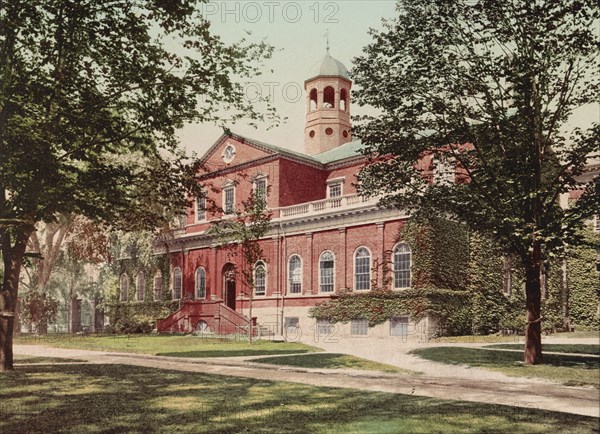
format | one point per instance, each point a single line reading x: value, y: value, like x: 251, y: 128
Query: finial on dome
x: 327, y: 39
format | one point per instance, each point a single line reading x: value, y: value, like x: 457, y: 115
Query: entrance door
x: 229, y: 285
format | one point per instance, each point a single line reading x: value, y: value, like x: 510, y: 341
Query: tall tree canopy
x: 91, y: 96
x: 486, y: 88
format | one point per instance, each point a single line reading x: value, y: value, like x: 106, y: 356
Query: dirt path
x: 518, y: 392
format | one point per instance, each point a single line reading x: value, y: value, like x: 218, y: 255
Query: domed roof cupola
x: 327, y: 106
x: 328, y: 67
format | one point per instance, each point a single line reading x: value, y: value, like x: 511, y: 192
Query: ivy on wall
x: 134, y: 316
x: 584, y: 283
x: 458, y: 278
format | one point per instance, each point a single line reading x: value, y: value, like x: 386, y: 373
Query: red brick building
x: 323, y: 238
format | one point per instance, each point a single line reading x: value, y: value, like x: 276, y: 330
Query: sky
x: 297, y: 31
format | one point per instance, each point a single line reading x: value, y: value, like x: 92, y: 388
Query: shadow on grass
x: 121, y: 398
x: 557, y: 348
x: 329, y: 361
x: 483, y: 357
x: 23, y: 360
x: 229, y: 353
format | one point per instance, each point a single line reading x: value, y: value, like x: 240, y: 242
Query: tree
x: 241, y: 234
x: 484, y: 90
x: 91, y: 96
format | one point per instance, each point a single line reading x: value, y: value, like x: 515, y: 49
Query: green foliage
x: 135, y: 253
x: 584, y: 283
x: 379, y: 305
x: 440, y: 252
x: 38, y: 308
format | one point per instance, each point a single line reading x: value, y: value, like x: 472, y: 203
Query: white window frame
x: 409, y: 252
x: 177, y: 274
x: 157, y: 289
x: 201, y: 209
x: 291, y: 283
x: 321, y: 276
x: 262, y: 264
x: 223, y: 155
x: 140, y: 286
x: 397, y: 327
x: 444, y: 169
x: 124, y: 287
x: 370, y: 272
x: 333, y: 183
x: 197, y: 281
x: 230, y: 186
x: 359, y: 327
x: 259, y: 179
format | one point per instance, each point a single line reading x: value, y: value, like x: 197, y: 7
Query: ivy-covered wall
x: 584, y: 284
x: 132, y: 316
x: 458, y: 278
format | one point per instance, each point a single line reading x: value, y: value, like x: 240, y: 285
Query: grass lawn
x: 473, y: 339
x: 165, y: 345
x: 21, y: 360
x: 331, y: 361
x: 569, y: 370
x: 123, y: 399
x: 557, y: 348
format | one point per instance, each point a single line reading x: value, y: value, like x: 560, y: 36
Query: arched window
x: 158, y: 285
x: 295, y: 275
x: 260, y: 278
x: 140, y: 287
x: 344, y: 99
x: 402, y: 261
x: 177, y: 283
x: 326, y: 272
x: 312, y: 104
x: 123, y: 287
x: 200, y: 283
x: 328, y: 97
x: 362, y: 269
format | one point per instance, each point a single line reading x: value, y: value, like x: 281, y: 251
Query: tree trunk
x: 12, y: 261
x: 533, y: 330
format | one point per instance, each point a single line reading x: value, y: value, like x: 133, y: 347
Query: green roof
x: 347, y: 150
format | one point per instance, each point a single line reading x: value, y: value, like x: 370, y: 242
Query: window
x: 324, y: 327
x: 326, y: 272
x: 597, y: 223
x: 328, y: 97
x: 295, y: 275
x: 402, y: 266
x: 260, y: 278
x: 200, y: 283
x: 313, y: 100
x: 229, y: 199
x: 506, y: 275
x: 291, y: 322
x: 200, y: 208
x: 343, y: 99
x: 123, y: 287
x: 177, y: 283
x: 443, y: 170
x: 260, y: 188
x: 158, y: 285
x: 399, y: 326
x: 359, y: 327
x: 335, y: 190
x: 362, y: 269
x: 140, y: 287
